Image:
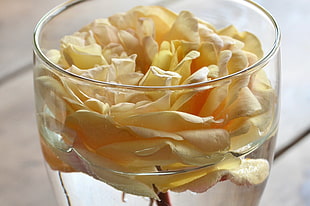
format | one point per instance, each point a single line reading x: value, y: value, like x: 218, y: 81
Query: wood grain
x: 23, y: 180
x: 289, y: 182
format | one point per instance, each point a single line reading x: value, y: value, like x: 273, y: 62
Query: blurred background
x: 23, y: 180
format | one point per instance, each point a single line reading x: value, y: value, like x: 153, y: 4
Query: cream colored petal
x: 208, y: 55
x: 161, y: 16
x: 95, y: 130
x: 213, y: 71
x: 149, y: 153
x: 158, y: 77
x: 160, y: 104
x: 214, y: 100
x: 242, y: 140
x: 238, y: 126
x: 252, y: 58
x: 97, y: 106
x: 129, y: 41
x: 179, y: 98
x: 75, y: 70
x: 185, y: 28
x: 54, y: 95
x: 131, y: 96
x: 150, y: 47
x: 111, y: 51
x: 76, y: 39
x: 111, y: 173
x: 208, y: 35
x: 123, y: 21
x: 208, y: 140
x: 251, y: 42
x: 263, y: 121
x: 151, y: 133
x: 145, y: 28
x: 245, y: 105
x: 199, y: 76
x: 124, y: 65
x: 250, y: 172
x: 169, y: 121
x: 122, y: 107
x: 104, y: 73
x: 183, y: 48
x: 84, y: 57
x: 262, y: 89
x: 163, y: 58
x: 75, y: 90
x: 201, y: 180
x: 235, y: 86
x: 132, y: 78
x: 104, y: 33
x: 231, y: 44
x: 184, y: 66
x: 224, y: 58
x: 139, y: 154
x: 237, y: 62
x: 53, y: 55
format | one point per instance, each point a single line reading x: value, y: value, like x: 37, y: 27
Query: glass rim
x: 62, y: 7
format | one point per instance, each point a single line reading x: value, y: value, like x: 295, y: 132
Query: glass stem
x: 64, y: 188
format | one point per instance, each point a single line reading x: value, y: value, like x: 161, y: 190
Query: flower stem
x: 164, y: 199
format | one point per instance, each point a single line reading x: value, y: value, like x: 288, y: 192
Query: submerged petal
x: 94, y: 129
x: 208, y: 140
x: 170, y: 121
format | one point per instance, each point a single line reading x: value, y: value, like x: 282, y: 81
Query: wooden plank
x: 289, y: 183
x: 17, y: 22
x: 23, y: 179
x: 293, y: 18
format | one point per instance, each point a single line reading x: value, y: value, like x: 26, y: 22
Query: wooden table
x: 23, y: 181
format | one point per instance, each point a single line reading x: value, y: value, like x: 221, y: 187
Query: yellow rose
x: 110, y: 131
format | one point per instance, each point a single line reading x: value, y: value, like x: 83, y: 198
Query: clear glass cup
x: 204, y: 143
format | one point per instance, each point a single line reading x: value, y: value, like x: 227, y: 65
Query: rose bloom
x: 107, y: 132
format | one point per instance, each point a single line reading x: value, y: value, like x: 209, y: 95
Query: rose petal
x: 224, y: 58
x: 158, y: 77
x: 199, y: 76
x: 237, y: 62
x: 214, y: 101
x: 208, y: 140
x: 248, y: 172
x: 185, y: 28
x: 245, y: 105
x: 184, y: 66
x: 54, y: 55
x: 104, y: 33
x: 152, y: 152
x: 107, y: 171
x: 162, y: 18
x: 163, y: 58
x: 95, y: 130
x: 169, y: 121
x: 208, y: 55
x: 84, y: 57
x: 251, y: 42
